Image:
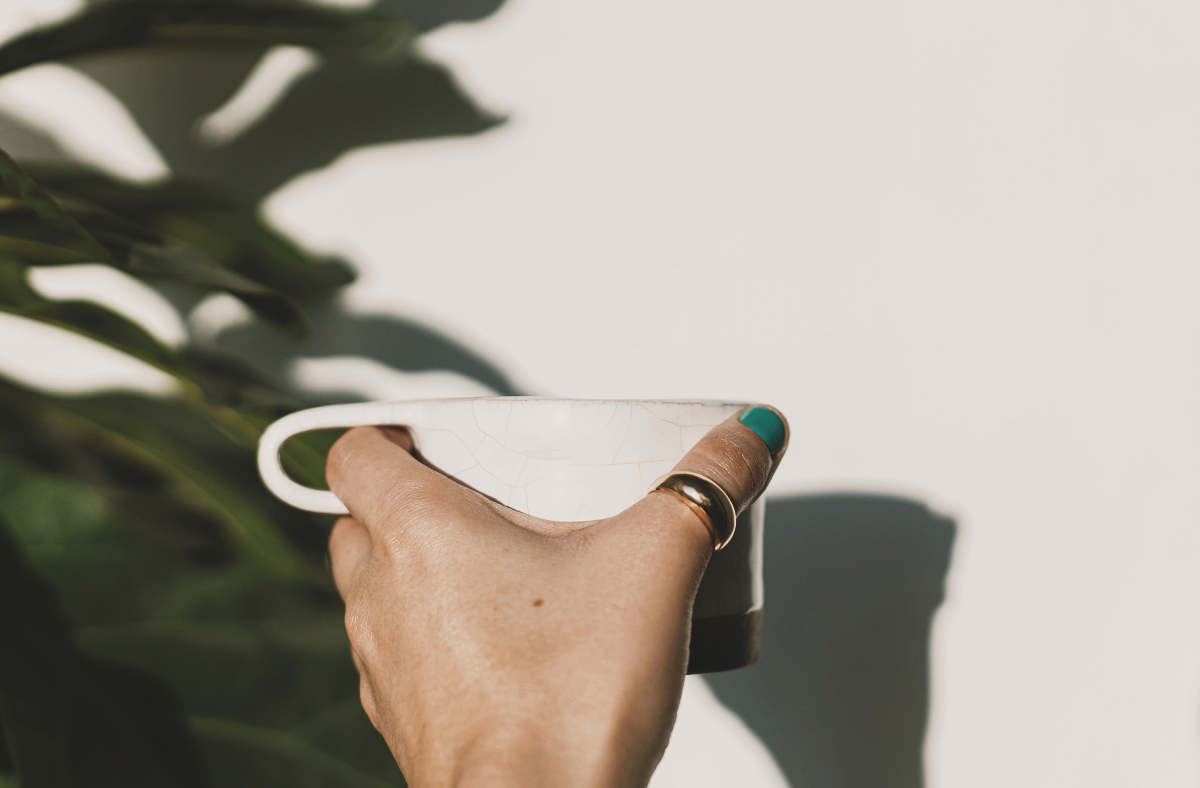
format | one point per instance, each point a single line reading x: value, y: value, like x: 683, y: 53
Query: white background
x: 956, y: 243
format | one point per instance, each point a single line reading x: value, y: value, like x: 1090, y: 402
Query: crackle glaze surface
x: 558, y: 459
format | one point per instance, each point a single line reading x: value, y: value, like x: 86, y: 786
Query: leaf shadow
x: 394, y: 341
x: 840, y: 694
x: 25, y: 142
x: 339, y: 106
x: 428, y: 14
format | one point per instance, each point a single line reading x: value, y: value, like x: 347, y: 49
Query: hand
x: 496, y: 648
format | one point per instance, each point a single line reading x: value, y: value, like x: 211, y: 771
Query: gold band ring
x: 707, y: 501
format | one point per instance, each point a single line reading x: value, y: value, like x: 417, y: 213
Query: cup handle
x: 357, y: 414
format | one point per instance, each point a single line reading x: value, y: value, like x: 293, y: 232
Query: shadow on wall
x: 338, y: 106
x: 335, y: 108
x: 841, y: 692
x: 394, y: 341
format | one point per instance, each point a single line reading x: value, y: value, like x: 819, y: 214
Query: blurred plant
x: 164, y: 621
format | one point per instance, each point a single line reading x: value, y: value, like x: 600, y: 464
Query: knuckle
x: 366, y: 696
x: 399, y: 505
x: 361, y: 634
x: 743, y: 465
x: 338, y: 458
x: 341, y: 530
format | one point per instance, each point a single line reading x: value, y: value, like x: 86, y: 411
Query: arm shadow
x: 840, y: 694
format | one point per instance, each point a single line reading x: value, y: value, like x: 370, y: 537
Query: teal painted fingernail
x: 767, y: 425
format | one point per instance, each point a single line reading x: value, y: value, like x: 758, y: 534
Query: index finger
x: 373, y: 472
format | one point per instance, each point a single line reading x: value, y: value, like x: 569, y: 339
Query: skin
x: 499, y: 649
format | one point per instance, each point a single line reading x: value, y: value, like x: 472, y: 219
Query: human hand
x: 496, y: 648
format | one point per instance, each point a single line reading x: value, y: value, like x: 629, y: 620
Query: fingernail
x: 766, y: 424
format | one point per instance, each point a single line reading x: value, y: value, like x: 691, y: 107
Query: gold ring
x: 706, y: 499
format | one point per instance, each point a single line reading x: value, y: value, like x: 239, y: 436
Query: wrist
x: 521, y: 757
x: 544, y: 754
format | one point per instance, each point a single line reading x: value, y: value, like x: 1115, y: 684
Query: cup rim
x: 579, y: 401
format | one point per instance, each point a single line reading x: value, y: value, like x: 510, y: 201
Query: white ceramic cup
x: 566, y: 460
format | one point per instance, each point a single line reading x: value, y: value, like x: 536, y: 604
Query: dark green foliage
x: 70, y: 720
x: 188, y: 584
x: 215, y: 221
x: 164, y: 621
x: 39, y: 230
x: 259, y: 661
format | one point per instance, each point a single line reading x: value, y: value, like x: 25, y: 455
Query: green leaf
x: 33, y: 223
x: 108, y: 567
x: 37, y: 230
x: 246, y: 754
x: 202, y: 485
x: 14, y: 285
x: 177, y: 262
x: 36, y: 673
x: 87, y: 318
x: 145, y: 253
x: 224, y: 226
x: 70, y: 721
x: 221, y: 382
x: 232, y: 643
x: 204, y: 469
x: 246, y: 668
x: 228, y: 382
x: 115, y: 25
x: 105, y: 326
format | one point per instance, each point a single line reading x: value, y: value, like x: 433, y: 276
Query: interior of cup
x: 553, y: 427
x: 561, y: 459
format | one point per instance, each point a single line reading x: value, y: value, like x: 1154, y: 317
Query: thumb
x: 740, y: 454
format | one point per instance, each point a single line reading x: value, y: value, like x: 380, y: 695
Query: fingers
x: 370, y: 468
x: 349, y: 550
x: 740, y: 454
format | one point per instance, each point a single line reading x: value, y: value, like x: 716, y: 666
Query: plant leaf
x: 177, y: 262
x: 33, y: 221
x: 116, y: 25
x: 86, y: 318
x: 14, y: 286
x: 202, y: 468
x: 143, y: 252
x: 103, y: 325
x: 72, y: 721
x: 37, y: 230
x: 259, y: 756
x: 232, y: 643
x: 224, y: 226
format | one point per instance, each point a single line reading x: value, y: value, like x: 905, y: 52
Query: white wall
x: 957, y: 243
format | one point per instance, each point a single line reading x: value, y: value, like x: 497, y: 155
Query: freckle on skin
x: 538, y: 602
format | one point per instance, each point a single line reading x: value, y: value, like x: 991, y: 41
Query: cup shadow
x: 840, y: 694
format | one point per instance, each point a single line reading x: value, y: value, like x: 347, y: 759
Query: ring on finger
x: 707, y: 501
